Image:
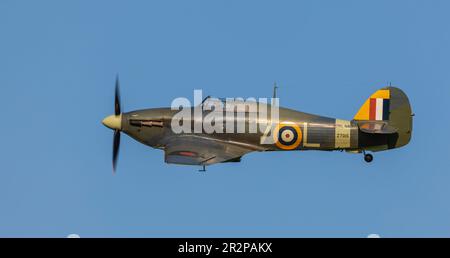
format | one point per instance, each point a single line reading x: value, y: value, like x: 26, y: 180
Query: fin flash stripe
x: 379, y: 109
x: 376, y: 107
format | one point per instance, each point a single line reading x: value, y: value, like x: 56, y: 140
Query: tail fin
x: 389, y: 106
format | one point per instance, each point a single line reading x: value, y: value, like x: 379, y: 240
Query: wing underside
x: 194, y: 150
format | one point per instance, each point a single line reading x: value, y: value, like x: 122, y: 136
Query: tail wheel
x: 368, y: 157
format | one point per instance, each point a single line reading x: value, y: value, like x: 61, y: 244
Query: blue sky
x: 58, y: 61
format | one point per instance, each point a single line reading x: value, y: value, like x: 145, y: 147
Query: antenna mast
x: 275, y: 87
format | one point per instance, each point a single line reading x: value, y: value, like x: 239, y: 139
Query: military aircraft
x: 383, y: 122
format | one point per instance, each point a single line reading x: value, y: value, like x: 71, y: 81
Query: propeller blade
x: 117, y: 109
x: 116, y: 144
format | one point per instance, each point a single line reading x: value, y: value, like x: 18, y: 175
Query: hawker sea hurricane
x: 383, y: 122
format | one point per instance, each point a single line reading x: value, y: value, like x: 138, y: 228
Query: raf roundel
x: 288, y: 136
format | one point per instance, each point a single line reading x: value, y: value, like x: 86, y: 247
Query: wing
x: 200, y: 150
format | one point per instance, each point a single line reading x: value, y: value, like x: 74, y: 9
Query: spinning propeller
x: 114, y: 122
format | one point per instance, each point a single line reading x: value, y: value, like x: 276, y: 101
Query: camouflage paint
x: 309, y: 132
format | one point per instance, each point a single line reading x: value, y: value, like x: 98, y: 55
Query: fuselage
x: 153, y: 127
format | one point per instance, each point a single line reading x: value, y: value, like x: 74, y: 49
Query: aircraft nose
x: 113, y: 122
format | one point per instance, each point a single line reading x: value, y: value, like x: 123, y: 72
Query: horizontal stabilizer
x: 377, y: 127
